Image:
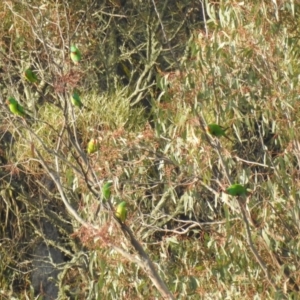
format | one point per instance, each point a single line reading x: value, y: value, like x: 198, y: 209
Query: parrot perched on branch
x: 106, y: 190
x: 75, y: 55
x: 217, y: 131
x: 30, y: 76
x: 236, y: 190
x: 15, y: 107
x: 93, y: 146
x: 75, y: 98
x: 121, y: 212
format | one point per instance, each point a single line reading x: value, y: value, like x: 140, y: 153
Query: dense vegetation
x: 152, y: 75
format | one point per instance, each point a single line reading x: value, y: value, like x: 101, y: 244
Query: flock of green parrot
x: 17, y: 109
x: 31, y: 76
x: 214, y: 130
x: 233, y: 190
x: 93, y: 144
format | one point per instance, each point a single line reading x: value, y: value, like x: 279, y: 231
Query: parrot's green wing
x: 217, y: 131
x: 236, y: 190
x: 30, y: 76
x: 75, y: 98
x: 18, y: 110
x: 15, y: 107
x: 121, y: 212
x: 106, y: 190
x: 75, y: 54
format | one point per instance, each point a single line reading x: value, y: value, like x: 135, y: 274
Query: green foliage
x: 149, y: 103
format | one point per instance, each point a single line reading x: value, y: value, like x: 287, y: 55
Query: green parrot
x: 106, y: 190
x: 236, y: 190
x: 93, y: 146
x: 217, y: 130
x: 30, y: 76
x: 15, y: 107
x: 75, y: 55
x: 121, y: 212
x: 75, y: 98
